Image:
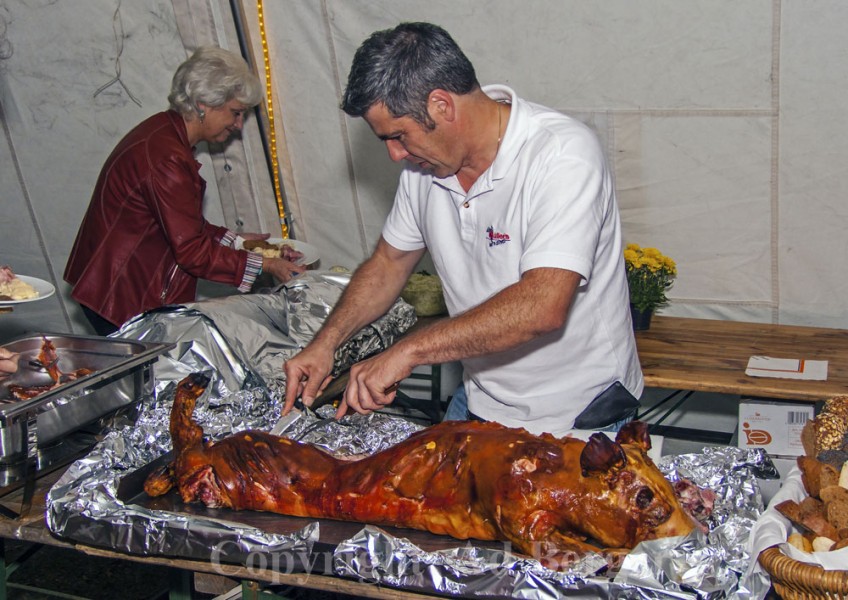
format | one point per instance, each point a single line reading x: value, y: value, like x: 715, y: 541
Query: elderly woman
x: 143, y: 242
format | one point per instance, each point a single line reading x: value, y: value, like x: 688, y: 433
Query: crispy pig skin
x: 464, y: 479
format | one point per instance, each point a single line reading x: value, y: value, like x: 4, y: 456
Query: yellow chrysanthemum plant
x: 649, y: 275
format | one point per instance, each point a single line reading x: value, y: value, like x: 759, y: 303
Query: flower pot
x: 641, y: 318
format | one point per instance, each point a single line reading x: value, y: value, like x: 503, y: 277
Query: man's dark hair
x: 400, y: 67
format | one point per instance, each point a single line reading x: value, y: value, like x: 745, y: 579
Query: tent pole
x: 237, y: 10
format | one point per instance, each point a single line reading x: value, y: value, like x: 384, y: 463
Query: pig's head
x: 636, y: 502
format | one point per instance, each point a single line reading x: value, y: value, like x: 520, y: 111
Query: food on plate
x: 822, y: 516
x: 552, y: 498
x: 269, y: 250
x: 13, y: 288
x: 48, y: 359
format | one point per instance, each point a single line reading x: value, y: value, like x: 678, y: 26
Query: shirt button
x: 465, y: 204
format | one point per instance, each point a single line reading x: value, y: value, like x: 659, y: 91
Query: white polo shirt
x: 546, y: 201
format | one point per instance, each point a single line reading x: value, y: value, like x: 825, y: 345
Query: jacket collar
x: 180, y: 127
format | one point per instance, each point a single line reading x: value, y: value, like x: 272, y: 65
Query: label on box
x: 774, y: 426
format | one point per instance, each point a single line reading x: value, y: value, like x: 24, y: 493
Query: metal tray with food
x: 87, y: 378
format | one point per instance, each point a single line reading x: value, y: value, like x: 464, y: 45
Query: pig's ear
x: 601, y: 454
x: 636, y: 433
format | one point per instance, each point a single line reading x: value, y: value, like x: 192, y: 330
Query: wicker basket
x: 795, y: 580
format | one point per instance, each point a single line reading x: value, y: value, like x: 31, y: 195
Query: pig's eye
x: 644, y: 497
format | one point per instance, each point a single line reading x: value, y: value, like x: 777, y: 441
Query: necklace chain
x: 500, y: 135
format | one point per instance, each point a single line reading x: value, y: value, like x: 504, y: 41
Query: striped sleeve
x: 251, y: 271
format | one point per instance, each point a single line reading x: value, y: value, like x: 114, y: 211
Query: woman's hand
x: 282, y: 269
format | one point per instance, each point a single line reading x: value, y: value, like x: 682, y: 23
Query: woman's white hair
x: 213, y: 76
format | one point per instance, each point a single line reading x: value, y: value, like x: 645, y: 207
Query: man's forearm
x: 518, y: 314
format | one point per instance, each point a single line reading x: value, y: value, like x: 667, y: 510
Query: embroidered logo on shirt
x: 495, y: 238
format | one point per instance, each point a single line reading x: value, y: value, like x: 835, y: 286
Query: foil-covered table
x: 241, y: 342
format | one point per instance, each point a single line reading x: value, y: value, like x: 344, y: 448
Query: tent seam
x: 775, y: 160
x: 357, y: 205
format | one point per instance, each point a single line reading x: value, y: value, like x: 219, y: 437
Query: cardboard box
x: 773, y: 426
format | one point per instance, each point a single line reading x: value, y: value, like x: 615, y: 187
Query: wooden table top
x: 711, y: 356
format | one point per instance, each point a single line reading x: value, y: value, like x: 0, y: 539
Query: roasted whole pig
x: 552, y: 498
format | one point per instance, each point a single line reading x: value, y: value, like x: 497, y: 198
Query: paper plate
x: 310, y: 252
x: 44, y: 289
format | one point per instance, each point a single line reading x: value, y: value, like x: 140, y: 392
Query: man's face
x: 407, y: 139
x: 223, y: 121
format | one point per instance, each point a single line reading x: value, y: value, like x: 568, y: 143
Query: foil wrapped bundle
x: 246, y: 338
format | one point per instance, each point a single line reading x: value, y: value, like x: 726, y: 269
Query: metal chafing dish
x: 120, y: 371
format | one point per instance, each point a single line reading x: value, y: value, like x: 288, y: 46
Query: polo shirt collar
x: 516, y: 131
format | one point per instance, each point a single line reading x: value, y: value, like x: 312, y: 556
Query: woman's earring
x: 201, y: 114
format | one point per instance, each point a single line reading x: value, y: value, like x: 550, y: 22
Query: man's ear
x: 441, y: 105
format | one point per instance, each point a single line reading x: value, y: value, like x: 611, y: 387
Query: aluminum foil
x: 709, y: 565
x: 241, y: 342
x: 84, y: 506
x: 469, y: 571
x: 353, y: 435
x: 712, y: 564
x: 223, y: 338
x: 245, y: 339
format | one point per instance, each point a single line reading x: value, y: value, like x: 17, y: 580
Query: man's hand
x: 307, y: 374
x: 373, y: 382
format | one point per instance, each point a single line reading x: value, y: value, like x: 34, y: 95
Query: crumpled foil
x: 219, y: 338
x: 241, y: 343
x: 246, y: 338
x: 712, y: 564
x: 709, y: 565
x: 84, y: 506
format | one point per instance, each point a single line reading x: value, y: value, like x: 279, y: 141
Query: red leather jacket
x: 143, y: 241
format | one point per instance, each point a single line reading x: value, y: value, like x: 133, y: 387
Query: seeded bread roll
x: 838, y: 405
x: 830, y: 431
x: 826, y: 436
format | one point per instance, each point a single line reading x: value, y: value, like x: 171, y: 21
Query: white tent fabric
x: 74, y: 78
x: 723, y: 121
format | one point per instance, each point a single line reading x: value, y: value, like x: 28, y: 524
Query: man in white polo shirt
x: 515, y: 203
